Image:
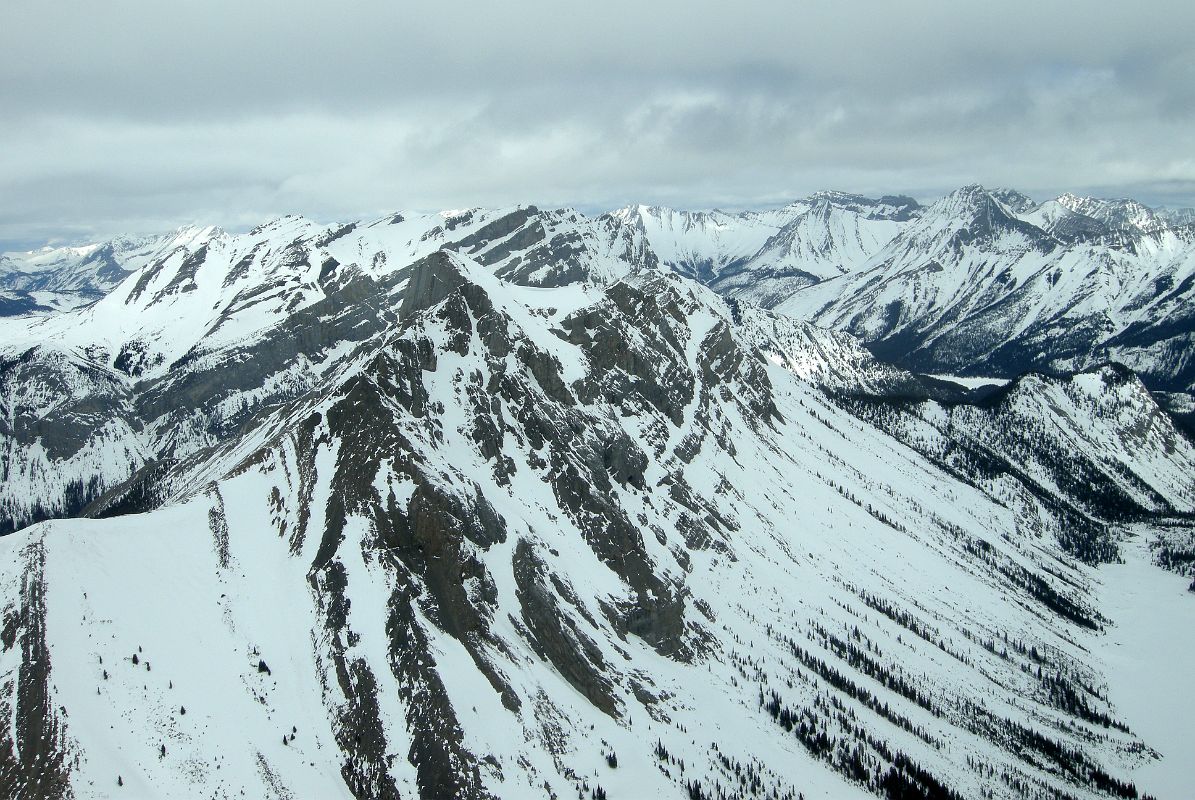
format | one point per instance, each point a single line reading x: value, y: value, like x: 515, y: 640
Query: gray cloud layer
x: 143, y: 115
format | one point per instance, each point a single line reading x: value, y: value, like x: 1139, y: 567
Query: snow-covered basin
x: 971, y: 383
x: 1149, y: 651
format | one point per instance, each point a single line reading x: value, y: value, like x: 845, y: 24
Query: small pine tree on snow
x: 135, y: 659
x: 182, y: 710
x: 263, y: 667
x: 119, y: 781
x: 162, y: 752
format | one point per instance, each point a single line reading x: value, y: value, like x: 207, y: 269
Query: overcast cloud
x: 138, y: 116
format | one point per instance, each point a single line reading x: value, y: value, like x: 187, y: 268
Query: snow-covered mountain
x: 496, y: 504
x: 196, y: 342
x: 704, y: 244
x: 1176, y: 217
x: 764, y: 256
x: 831, y: 236
x: 1120, y: 214
x: 971, y: 287
x: 983, y: 282
x: 61, y: 278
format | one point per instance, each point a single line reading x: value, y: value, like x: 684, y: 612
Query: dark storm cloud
x: 132, y: 115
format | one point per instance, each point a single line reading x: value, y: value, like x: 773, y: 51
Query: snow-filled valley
x: 524, y: 503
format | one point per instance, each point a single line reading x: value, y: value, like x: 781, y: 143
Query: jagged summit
x: 1015, y: 201
x: 1117, y: 214
x: 973, y: 285
x: 975, y: 204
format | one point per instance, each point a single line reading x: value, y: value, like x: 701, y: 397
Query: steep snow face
x: 764, y: 256
x: 972, y: 288
x: 61, y: 278
x: 216, y: 328
x: 588, y: 539
x: 1116, y: 214
x: 827, y: 240
x: 68, y: 432
x: 829, y: 359
x: 704, y: 244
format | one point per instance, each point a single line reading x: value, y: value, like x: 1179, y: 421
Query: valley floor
x: 1149, y: 652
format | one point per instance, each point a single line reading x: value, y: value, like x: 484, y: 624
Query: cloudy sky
x: 139, y: 116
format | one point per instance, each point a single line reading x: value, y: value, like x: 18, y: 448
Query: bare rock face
x: 555, y: 635
x: 432, y: 279
x: 34, y: 758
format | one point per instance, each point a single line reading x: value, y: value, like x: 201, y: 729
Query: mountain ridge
x: 500, y: 504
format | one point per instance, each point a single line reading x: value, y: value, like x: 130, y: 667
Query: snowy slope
x: 194, y: 343
x: 594, y: 539
x: 764, y: 256
x: 704, y: 244
x: 972, y: 288
x: 834, y: 235
x: 61, y: 278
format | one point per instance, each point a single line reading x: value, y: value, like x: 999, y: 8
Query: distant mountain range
x: 981, y: 282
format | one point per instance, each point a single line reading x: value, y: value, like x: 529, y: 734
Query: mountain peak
x: 970, y: 204
x: 894, y: 207
x: 1017, y: 202
x: 433, y: 278
x: 1117, y: 214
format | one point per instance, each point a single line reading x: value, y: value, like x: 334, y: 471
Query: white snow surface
x: 1148, y: 660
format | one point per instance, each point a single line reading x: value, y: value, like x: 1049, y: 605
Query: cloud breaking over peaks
x: 139, y: 116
